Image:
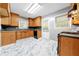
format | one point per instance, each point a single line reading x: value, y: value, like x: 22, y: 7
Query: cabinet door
x: 31, y: 34
x: 37, y: 21
x: 4, y: 5
x: 19, y: 35
x: 5, y: 20
x: 75, y: 46
x: 4, y: 9
x: 66, y: 46
x: 15, y: 19
x: 5, y: 38
x: 12, y: 36
x: 30, y: 22
x: 39, y: 33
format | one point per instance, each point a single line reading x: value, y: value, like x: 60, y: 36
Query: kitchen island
x: 68, y: 44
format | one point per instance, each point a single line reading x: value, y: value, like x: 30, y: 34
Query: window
x: 45, y: 24
x: 62, y: 21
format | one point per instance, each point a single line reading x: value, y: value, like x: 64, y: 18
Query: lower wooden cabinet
x: 18, y: 35
x: 13, y: 36
x: 39, y: 33
x: 8, y: 37
x: 24, y: 34
x: 30, y: 33
x: 68, y: 46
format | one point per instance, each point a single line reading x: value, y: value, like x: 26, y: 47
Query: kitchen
x: 19, y: 24
x: 11, y: 21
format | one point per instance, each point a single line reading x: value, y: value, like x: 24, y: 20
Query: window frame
x: 69, y: 24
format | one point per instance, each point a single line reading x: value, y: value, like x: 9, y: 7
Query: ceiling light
x: 36, y: 9
x: 32, y: 8
x: 28, y: 6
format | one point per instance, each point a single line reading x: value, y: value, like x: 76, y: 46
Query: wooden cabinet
x: 4, y: 9
x: 30, y: 33
x: 35, y: 22
x: 13, y: 36
x: 5, y: 20
x: 31, y: 22
x: 5, y: 38
x: 24, y: 34
x: 15, y: 19
x: 5, y: 13
x: 8, y: 37
x: 39, y: 33
x: 19, y: 35
x: 75, y: 13
x: 68, y: 46
x: 75, y: 18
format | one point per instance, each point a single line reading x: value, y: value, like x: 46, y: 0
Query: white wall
x: 53, y: 31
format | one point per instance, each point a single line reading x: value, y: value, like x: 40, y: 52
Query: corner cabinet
x: 35, y: 22
x: 68, y: 46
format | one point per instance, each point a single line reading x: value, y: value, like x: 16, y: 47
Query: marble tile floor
x: 30, y: 47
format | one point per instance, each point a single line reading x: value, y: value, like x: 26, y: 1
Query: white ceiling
x: 46, y: 9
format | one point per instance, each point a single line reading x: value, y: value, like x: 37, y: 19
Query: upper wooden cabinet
x: 12, y: 20
x: 34, y: 22
x: 4, y: 9
x: 5, y: 20
x: 30, y: 22
x: 15, y: 19
x: 37, y: 21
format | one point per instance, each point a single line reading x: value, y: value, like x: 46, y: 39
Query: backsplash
x: 4, y: 27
